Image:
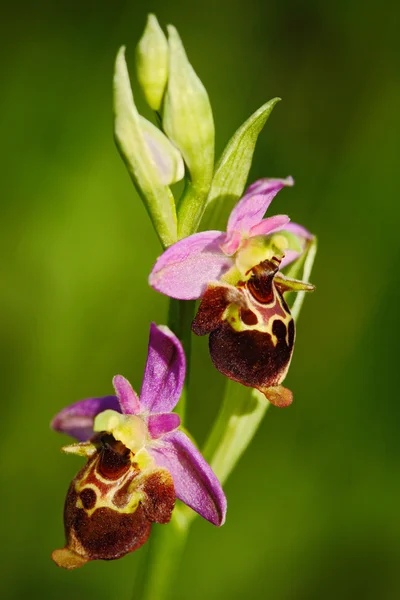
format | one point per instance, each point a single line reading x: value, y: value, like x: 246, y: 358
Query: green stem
x: 191, y: 207
x: 180, y: 317
x: 240, y: 415
x: 163, y: 559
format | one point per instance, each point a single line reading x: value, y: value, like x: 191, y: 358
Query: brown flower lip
x: 111, y: 504
x: 252, y: 345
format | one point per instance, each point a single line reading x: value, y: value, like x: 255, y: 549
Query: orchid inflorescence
x: 140, y: 460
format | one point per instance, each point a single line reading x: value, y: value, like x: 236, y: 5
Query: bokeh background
x: 314, y: 504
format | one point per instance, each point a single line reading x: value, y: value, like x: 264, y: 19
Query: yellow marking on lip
x: 233, y: 317
x: 104, y: 499
x: 144, y: 460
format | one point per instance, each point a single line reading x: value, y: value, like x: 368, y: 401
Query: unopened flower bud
x: 188, y: 122
x: 143, y: 159
x: 152, y: 62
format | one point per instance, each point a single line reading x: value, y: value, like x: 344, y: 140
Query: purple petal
x: 252, y: 207
x: 165, y: 371
x: 290, y: 256
x: 128, y: 399
x: 162, y: 423
x: 270, y: 225
x: 303, y: 234
x: 77, y: 419
x: 232, y: 243
x: 186, y: 267
x: 195, y: 482
x: 299, y: 230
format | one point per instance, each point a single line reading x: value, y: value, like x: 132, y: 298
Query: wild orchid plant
x: 139, y: 458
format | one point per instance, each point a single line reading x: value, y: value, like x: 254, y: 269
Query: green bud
x: 188, y: 122
x: 152, y: 62
x: 139, y: 149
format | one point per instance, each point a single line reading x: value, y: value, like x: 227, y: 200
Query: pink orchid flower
x: 139, y: 461
x: 237, y: 275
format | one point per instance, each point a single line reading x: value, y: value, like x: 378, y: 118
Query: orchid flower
x: 237, y: 275
x: 139, y: 461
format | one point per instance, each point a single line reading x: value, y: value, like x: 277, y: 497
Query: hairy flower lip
x: 195, y: 482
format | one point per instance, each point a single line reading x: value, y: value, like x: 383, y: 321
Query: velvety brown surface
x: 250, y: 357
x: 134, y: 499
x: 211, y: 309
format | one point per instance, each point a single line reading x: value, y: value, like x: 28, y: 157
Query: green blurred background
x: 314, y: 504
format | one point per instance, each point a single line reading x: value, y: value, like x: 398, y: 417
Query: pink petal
x: 232, y: 243
x: 290, y: 256
x: 159, y: 424
x: 299, y: 230
x: 127, y: 397
x: 252, y: 207
x: 77, y: 419
x: 270, y: 225
x: 165, y: 371
x: 303, y: 234
x: 186, y: 267
x: 195, y: 482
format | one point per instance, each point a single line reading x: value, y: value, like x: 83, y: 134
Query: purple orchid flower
x: 237, y: 275
x: 145, y: 429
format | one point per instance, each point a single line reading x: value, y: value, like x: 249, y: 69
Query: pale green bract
x: 301, y: 269
x: 130, y: 136
x: 188, y: 122
x: 166, y: 157
x: 233, y: 168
